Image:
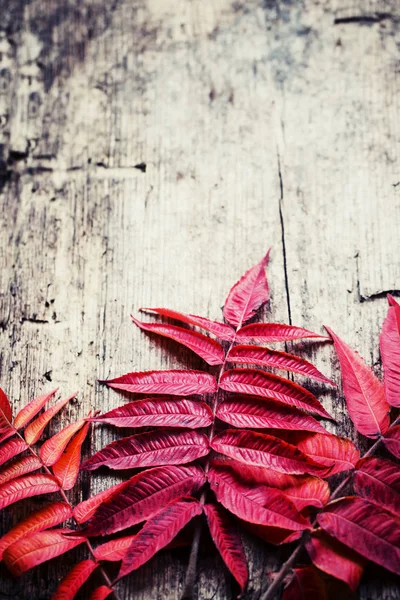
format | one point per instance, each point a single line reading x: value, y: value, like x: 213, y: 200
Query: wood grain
x: 150, y: 152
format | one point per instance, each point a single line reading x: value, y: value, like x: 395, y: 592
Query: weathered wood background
x: 150, y: 152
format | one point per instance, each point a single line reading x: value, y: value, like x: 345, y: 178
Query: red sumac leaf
x: 247, y: 295
x: 143, y: 495
x: 101, y: 593
x: 175, y: 382
x: 334, y: 558
x: 38, y: 548
x: 35, y: 429
x: 159, y: 531
x: 390, y: 353
x: 74, y: 580
x: 257, y: 413
x: 52, y: 449
x: 274, y: 332
x: 18, y: 467
x: 46, y: 517
x: 257, y: 504
x: 26, y: 487
x: 66, y: 469
x: 29, y: 411
x: 306, y: 582
x: 228, y: 543
x: 114, y: 550
x: 256, y: 355
x: 266, y: 385
x: 86, y: 509
x: 160, y: 412
x: 5, y: 407
x: 11, y: 449
x: 264, y: 450
x: 163, y: 447
x: 365, y: 397
x: 378, y: 481
x: 207, y: 348
x: 221, y: 330
x: 391, y: 441
x: 369, y: 530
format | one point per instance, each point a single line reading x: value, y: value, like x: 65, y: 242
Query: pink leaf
x: 52, y: 449
x: 143, y: 495
x: 306, y: 582
x: 5, y: 407
x: 378, y: 481
x: 29, y: 411
x: 221, y: 330
x: 75, y: 579
x: 266, y: 385
x: 66, y: 469
x: 35, y: 429
x: 365, y: 398
x: 114, y: 550
x: 391, y: 440
x: 26, y: 487
x: 274, y: 332
x: 101, y: 593
x: 256, y: 355
x: 258, y: 413
x: 86, y: 509
x: 20, y: 466
x: 11, y: 449
x: 177, y: 383
x: 367, y: 529
x: 390, y: 353
x: 273, y: 535
x: 162, y: 447
x: 205, y: 347
x: 228, y: 543
x: 156, y: 412
x: 247, y: 295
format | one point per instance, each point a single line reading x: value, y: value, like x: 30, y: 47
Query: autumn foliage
x: 232, y: 446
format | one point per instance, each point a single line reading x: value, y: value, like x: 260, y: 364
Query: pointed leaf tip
x: 29, y: 411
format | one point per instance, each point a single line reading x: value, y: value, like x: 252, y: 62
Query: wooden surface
x: 150, y: 152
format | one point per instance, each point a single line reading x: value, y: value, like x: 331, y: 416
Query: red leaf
x: 228, y: 543
x: 52, y: 449
x: 272, y: 535
x: 101, y: 593
x: 256, y: 355
x: 208, y: 349
x: 392, y: 302
x: 31, y: 410
x: 86, y: 509
x: 274, y: 332
x: 390, y: 353
x: 114, y: 550
x: 35, y: 429
x: 367, y: 529
x: 26, y: 487
x: 163, y: 447
x: 334, y: 558
x: 391, y: 441
x: 378, y: 481
x: 66, y: 469
x: 221, y: 330
x: 258, y: 413
x: 20, y: 466
x: 158, y: 532
x: 38, y: 548
x: 11, y: 449
x: 247, y: 295
x: 266, y: 385
x: 5, y: 407
x: 75, y: 579
x: 158, y: 412
x: 175, y: 382
x: 143, y: 495
x: 305, y: 583
x: 257, y: 504
x: 264, y: 450
x: 364, y: 393
x: 46, y: 517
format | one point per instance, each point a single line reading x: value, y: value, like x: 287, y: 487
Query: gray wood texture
x: 150, y: 152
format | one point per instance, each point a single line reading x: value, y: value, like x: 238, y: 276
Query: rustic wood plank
x: 150, y: 151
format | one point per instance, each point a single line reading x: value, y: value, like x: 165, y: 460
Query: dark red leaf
x: 306, y: 583
x: 66, y: 469
x: 221, y: 330
x: 75, y: 579
x: 272, y: 535
x: 162, y: 447
x: 52, y: 449
x: 86, y: 509
x: 29, y: 411
x: 390, y: 353
x: 228, y: 543
x: 365, y: 397
x: 396, y: 305
x: 144, y: 495
x: 11, y: 449
x: 391, y: 441
x: 258, y: 413
x: 264, y: 450
x: 26, y: 487
x: 20, y: 466
x: 207, y: 348
x: 247, y: 295
x: 266, y: 385
x: 260, y: 333
x: 177, y: 383
x: 5, y: 407
x: 257, y: 504
x: 35, y: 429
x: 101, y: 593
x: 160, y: 412
x: 159, y: 531
x: 257, y: 355
x: 378, y: 481
x: 369, y: 530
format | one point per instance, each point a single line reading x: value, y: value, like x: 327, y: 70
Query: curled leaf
x: 175, y: 382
